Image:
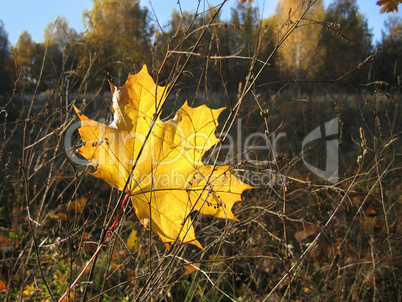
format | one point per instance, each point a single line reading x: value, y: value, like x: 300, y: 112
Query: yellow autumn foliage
x: 159, y: 163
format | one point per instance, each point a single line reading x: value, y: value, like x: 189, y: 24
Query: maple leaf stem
x: 97, y: 250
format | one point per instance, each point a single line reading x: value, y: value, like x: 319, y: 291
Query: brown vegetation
x: 300, y: 239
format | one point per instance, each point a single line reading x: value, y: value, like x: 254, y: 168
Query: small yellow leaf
x: 77, y: 205
x: 28, y: 291
x: 132, y: 242
x: 188, y: 269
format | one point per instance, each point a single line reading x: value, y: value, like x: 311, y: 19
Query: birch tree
x: 299, y: 56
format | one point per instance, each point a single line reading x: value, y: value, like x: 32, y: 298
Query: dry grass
x: 302, y: 239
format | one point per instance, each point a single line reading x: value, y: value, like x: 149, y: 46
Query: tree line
x: 121, y: 36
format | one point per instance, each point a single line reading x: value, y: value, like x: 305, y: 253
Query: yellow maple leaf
x: 388, y: 6
x: 159, y: 163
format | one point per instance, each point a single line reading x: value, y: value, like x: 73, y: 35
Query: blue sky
x: 20, y: 15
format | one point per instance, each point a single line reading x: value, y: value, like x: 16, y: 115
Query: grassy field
x: 299, y: 238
